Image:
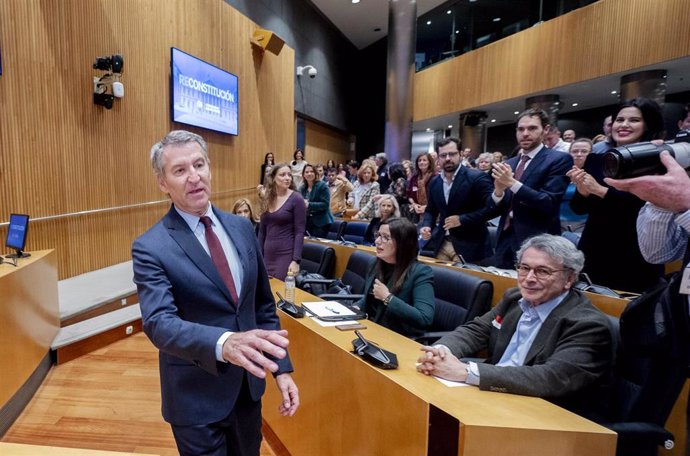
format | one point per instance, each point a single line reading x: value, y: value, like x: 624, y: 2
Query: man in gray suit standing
x: 544, y: 338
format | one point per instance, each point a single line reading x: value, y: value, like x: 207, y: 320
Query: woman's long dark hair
x: 651, y: 114
x: 404, y: 233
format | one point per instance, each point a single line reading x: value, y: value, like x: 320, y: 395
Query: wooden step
x: 88, y: 335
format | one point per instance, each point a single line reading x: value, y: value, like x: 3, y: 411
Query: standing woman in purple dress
x: 281, y: 232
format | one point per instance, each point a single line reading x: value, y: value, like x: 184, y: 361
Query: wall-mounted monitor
x: 203, y: 95
x: 16, y: 235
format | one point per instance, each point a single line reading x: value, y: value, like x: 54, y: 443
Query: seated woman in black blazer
x: 399, y: 291
x: 387, y: 207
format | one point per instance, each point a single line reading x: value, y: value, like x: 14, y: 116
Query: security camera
x: 113, y: 63
x: 311, y: 71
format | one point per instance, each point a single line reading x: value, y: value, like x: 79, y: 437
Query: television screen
x: 203, y: 95
x: 16, y: 232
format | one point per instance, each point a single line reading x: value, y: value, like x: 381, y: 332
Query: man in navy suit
x: 528, y: 188
x: 460, y: 195
x: 207, y: 306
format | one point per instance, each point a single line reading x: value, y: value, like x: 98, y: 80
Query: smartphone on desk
x: 351, y: 327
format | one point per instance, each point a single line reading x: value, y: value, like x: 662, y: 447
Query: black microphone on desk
x: 346, y: 243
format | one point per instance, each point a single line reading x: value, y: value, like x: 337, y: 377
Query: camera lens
x: 634, y: 160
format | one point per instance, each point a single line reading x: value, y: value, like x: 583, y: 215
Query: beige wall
x: 609, y: 36
x: 61, y: 154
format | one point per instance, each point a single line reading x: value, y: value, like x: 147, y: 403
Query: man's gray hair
x: 556, y: 247
x: 174, y: 138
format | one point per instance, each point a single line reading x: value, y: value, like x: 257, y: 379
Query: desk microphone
x: 347, y: 243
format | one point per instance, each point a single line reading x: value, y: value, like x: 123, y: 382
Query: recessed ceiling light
x: 493, y: 120
x: 457, y: 31
x: 450, y: 126
x: 448, y: 12
x: 428, y: 22
x: 496, y: 19
x: 613, y: 92
x: 574, y: 104
x: 355, y: 1
x: 516, y: 112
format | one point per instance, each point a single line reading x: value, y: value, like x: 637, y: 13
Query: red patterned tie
x: 219, y: 259
x: 518, y: 175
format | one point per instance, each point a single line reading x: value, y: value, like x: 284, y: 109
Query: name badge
x: 685, y: 282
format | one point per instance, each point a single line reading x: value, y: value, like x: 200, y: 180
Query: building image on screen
x: 16, y: 234
x: 203, y: 95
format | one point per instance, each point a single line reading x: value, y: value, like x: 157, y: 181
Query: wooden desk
x: 16, y: 449
x: 608, y: 305
x: 351, y: 408
x: 30, y: 318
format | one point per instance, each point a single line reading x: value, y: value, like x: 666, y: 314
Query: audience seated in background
x: 544, y: 339
x: 552, y: 140
x: 418, y: 185
x: 317, y: 198
x: 387, y: 208
x: 339, y: 188
x: 243, y: 208
x: 364, y: 189
x: 609, y: 239
x: 570, y: 221
x: 399, y: 291
x: 484, y: 162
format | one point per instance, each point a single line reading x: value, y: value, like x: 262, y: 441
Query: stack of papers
x: 327, y: 309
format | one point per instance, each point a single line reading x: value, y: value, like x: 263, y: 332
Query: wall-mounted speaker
x: 267, y: 40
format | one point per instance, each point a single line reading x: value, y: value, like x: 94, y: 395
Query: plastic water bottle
x: 290, y: 287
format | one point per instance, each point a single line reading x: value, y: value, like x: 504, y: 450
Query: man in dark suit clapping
x: 528, y: 188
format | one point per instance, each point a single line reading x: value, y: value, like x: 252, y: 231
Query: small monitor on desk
x: 16, y: 235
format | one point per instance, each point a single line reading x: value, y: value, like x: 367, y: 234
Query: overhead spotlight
x: 450, y: 126
x: 575, y: 104
x: 448, y: 12
x: 428, y: 22
x: 613, y: 92
x: 493, y: 120
x: 355, y: 1
x: 496, y: 19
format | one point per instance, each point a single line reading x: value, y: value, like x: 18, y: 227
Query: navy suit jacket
x: 470, y: 198
x: 536, y: 206
x: 186, y: 307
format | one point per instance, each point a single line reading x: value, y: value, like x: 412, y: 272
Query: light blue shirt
x: 229, y: 249
x: 531, y: 321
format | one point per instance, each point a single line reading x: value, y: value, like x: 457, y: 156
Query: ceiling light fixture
x: 613, y: 92
x: 493, y: 120
x: 450, y: 126
x: 448, y: 12
x: 496, y: 19
x: 574, y: 104
x: 428, y: 22
x: 516, y: 112
x: 355, y: 1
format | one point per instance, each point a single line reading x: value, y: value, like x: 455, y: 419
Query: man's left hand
x: 439, y: 362
x: 289, y: 393
x: 503, y: 176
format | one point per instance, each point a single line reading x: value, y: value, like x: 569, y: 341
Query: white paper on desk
x: 328, y: 309
x: 450, y: 383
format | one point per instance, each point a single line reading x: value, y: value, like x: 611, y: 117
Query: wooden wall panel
x: 60, y: 154
x: 324, y: 143
x: 606, y: 37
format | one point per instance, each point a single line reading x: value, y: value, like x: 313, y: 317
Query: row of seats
x: 459, y: 297
x: 642, y: 388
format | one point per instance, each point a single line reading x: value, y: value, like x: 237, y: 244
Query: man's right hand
x: 425, y: 231
x: 246, y: 349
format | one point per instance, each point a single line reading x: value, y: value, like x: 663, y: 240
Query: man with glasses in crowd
x: 460, y: 196
x: 544, y: 338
